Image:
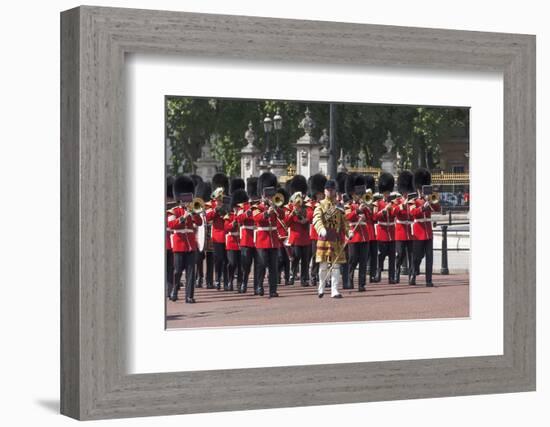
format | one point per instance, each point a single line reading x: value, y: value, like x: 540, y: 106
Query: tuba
x: 433, y: 198
x: 278, y: 199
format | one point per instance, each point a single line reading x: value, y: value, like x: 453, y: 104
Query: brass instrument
x: 367, y: 198
x: 196, y: 205
x: 278, y: 200
x: 433, y: 198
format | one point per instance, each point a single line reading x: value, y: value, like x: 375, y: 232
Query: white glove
x: 350, y: 234
x: 323, y: 232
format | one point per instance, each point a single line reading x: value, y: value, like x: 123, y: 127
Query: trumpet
x: 196, y: 205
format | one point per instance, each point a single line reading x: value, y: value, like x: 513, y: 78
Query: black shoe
x: 321, y: 295
x: 378, y: 276
x: 291, y: 281
x: 256, y: 291
x: 218, y: 286
x: 372, y: 279
x: 429, y: 284
x: 261, y: 292
x: 230, y: 288
x: 361, y: 289
x: 199, y: 283
x: 174, y: 296
x: 305, y: 284
x: 209, y: 286
x: 392, y: 282
x: 273, y: 294
x: 338, y: 296
x: 412, y: 281
x: 242, y: 289
x: 190, y: 300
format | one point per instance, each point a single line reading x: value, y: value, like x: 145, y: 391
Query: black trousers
x: 247, y: 256
x: 344, y: 268
x: 358, y: 255
x: 283, y: 265
x: 267, y: 260
x: 373, y: 257
x: 209, y: 257
x: 300, y: 257
x: 220, y: 263
x: 387, y: 249
x: 314, y: 272
x: 184, y: 261
x: 403, y: 251
x: 421, y: 249
x: 234, y: 264
x: 169, y: 270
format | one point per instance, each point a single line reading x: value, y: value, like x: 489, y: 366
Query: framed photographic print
x: 210, y: 162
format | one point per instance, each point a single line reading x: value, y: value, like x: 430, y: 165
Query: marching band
x: 316, y: 231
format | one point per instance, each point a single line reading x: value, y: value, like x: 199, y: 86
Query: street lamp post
x: 278, y: 125
x: 268, y: 127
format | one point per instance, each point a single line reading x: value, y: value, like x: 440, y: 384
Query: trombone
x: 197, y: 205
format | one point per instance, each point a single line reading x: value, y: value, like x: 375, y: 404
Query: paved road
x: 449, y: 298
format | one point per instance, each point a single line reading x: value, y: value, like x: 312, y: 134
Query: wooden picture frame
x: 94, y: 41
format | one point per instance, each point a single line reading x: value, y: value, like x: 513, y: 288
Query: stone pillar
x: 206, y: 165
x: 324, y: 153
x: 389, y: 160
x: 307, y: 149
x: 250, y: 155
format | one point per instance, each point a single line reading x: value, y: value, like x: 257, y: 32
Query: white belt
x: 248, y: 227
x: 266, y: 228
x: 185, y: 230
x: 357, y: 223
x: 386, y: 223
x: 403, y: 222
x: 423, y: 220
x: 232, y: 234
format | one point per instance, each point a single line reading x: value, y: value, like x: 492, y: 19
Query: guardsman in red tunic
x: 233, y: 238
x: 384, y: 214
x: 403, y: 224
x: 247, y: 229
x: 284, y: 255
x: 182, y: 222
x: 170, y: 203
x: 204, y: 191
x: 422, y: 224
x: 373, y: 243
x: 342, y: 200
x: 214, y: 216
x: 357, y: 214
x: 316, y: 184
x: 267, y: 238
x: 298, y: 219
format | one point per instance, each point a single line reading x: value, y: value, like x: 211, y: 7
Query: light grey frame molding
x: 94, y: 42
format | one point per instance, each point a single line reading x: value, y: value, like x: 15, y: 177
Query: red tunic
x: 403, y: 220
x: 168, y: 234
x: 385, y: 227
x: 231, y: 232
x: 360, y: 225
x: 422, y: 225
x: 218, y: 226
x: 183, y: 230
x: 266, y: 227
x: 247, y: 226
x: 310, y: 209
x: 299, y: 227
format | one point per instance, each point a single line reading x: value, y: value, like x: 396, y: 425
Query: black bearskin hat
x: 370, y: 182
x: 284, y: 193
x: 266, y: 179
x: 298, y: 183
x: 317, y: 184
x: 405, y: 182
x: 386, y: 182
x: 204, y: 191
x: 422, y: 177
x: 252, y: 187
x: 287, y: 186
x: 238, y: 196
x: 353, y: 180
x: 169, y: 187
x: 220, y: 180
x: 196, y: 179
x: 236, y: 184
x: 341, y: 178
x: 182, y: 185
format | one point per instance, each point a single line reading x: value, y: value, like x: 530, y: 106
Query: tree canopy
x: 416, y: 131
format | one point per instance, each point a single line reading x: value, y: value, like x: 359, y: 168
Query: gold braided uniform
x: 337, y: 227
